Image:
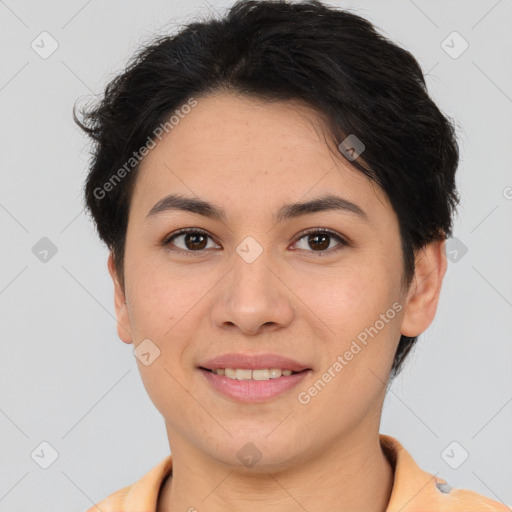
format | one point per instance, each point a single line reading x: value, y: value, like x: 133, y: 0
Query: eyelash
x: 343, y: 242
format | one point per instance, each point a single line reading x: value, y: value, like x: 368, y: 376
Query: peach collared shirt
x: 414, y: 490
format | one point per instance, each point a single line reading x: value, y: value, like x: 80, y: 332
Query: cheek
x: 159, y: 309
x: 166, y: 387
x: 348, y: 299
x: 159, y: 295
x: 362, y: 306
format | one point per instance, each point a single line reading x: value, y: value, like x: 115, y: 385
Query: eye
x: 192, y: 240
x: 196, y: 240
x: 320, y: 239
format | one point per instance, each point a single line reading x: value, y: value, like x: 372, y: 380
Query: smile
x: 252, y: 386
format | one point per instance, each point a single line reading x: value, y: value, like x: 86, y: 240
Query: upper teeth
x: 247, y: 374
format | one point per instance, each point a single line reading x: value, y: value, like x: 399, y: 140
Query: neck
x: 352, y: 475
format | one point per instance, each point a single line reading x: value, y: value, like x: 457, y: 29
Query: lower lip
x: 253, y: 390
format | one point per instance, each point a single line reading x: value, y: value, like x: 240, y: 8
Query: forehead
x: 232, y: 146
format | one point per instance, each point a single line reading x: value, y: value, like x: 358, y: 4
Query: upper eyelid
x: 186, y: 231
x: 342, y: 239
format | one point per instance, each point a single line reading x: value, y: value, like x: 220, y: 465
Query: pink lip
x: 253, y: 362
x: 253, y: 390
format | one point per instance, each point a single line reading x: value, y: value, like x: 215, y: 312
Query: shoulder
x: 463, y: 499
x: 141, y: 495
x: 114, y: 501
x: 415, y: 490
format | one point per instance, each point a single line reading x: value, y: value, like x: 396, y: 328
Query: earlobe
x: 425, y: 288
x: 122, y: 316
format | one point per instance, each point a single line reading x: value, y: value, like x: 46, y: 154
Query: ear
x: 123, y: 318
x: 425, y: 288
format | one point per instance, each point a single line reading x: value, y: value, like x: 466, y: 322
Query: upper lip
x: 253, y: 362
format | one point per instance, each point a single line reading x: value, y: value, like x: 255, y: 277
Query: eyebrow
x: 288, y: 211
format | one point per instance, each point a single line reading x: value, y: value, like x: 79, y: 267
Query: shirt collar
x: 413, y: 488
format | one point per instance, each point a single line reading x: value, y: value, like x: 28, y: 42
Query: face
x: 321, y: 287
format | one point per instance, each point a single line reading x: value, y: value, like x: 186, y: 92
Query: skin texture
x: 251, y: 157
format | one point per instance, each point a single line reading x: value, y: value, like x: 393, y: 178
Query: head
x: 274, y: 104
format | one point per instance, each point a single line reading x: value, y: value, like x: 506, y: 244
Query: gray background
x: 65, y: 377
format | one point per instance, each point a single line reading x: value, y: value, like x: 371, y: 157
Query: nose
x: 253, y: 297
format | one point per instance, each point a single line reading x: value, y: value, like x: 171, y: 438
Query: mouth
x: 257, y: 385
x: 249, y: 377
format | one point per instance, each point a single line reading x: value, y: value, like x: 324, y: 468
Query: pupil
x: 325, y: 238
x: 194, y: 238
